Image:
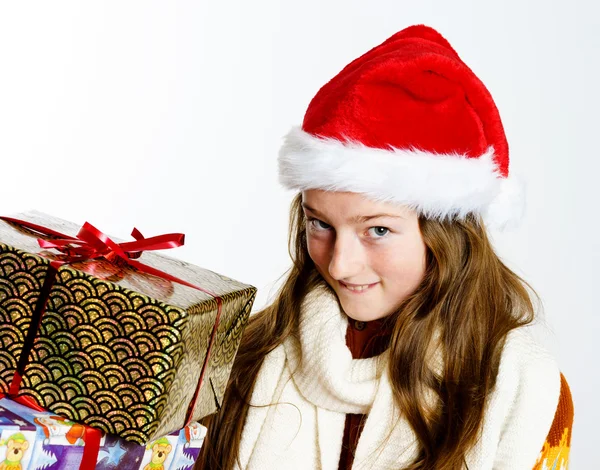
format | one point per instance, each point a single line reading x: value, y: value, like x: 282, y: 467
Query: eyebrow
x: 356, y: 218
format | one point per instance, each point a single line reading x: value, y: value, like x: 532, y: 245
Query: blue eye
x: 380, y: 231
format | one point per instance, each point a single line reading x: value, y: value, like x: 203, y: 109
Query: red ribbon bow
x: 90, y: 243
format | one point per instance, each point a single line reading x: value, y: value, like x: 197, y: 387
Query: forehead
x: 350, y: 205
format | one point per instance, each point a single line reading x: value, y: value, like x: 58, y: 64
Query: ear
x: 154, y: 447
x: 25, y: 446
x: 169, y: 448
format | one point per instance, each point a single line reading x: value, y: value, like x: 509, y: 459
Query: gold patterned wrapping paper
x: 21, y: 278
x: 118, y: 349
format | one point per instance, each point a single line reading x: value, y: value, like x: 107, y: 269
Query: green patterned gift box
x: 128, y: 352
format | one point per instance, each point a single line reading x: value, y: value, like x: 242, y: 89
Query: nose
x: 347, y: 258
x: 160, y: 454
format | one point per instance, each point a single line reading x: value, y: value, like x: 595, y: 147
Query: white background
x: 169, y: 115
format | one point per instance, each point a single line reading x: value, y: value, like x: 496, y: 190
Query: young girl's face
x: 371, y: 253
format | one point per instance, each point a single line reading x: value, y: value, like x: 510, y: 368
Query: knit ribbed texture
x: 365, y: 340
x: 327, y: 376
x: 305, y: 429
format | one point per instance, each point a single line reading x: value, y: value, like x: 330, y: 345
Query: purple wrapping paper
x: 32, y: 440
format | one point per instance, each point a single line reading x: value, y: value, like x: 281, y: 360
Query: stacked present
x: 38, y: 440
x: 110, y: 336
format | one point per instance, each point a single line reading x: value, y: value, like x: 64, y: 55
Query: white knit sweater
x: 305, y: 429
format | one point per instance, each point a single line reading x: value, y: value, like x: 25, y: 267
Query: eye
x: 318, y: 225
x: 379, y: 232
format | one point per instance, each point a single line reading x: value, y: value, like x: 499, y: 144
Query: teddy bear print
x: 160, y: 451
x: 16, y: 445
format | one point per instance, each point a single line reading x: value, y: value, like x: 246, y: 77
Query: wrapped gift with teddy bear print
x: 41, y: 440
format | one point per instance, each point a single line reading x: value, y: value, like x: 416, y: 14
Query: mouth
x: 357, y: 289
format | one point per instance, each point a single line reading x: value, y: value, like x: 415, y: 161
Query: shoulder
x: 523, y: 348
x: 526, y: 398
x: 529, y: 377
x: 527, y: 367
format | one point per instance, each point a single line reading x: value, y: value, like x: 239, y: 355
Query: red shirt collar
x: 367, y: 339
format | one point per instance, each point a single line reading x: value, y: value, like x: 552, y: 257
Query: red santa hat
x: 407, y: 122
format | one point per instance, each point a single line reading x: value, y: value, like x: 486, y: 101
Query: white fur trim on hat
x: 436, y: 185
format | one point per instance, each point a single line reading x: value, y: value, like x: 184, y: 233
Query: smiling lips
x: 357, y: 287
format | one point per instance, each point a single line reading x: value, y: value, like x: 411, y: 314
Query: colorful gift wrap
x: 41, y: 440
x: 135, y: 350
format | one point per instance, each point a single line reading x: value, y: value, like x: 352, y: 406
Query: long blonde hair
x: 467, y: 294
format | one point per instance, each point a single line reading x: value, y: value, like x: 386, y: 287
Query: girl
x: 399, y: 339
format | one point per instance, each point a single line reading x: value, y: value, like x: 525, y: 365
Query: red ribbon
x: 90, y: 243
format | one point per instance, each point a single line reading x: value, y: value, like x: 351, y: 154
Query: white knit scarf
x: 304, y: 429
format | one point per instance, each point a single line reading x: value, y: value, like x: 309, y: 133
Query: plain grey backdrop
x: 169, y: 115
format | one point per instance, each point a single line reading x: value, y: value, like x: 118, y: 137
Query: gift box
x: 136, y: 346
x: 40, y: 440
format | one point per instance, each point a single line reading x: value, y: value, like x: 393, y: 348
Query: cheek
x: 403, y: 264
x: 318, y: 251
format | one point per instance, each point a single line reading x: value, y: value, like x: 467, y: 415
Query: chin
x: 358, y: 316
x: 364, y: 314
